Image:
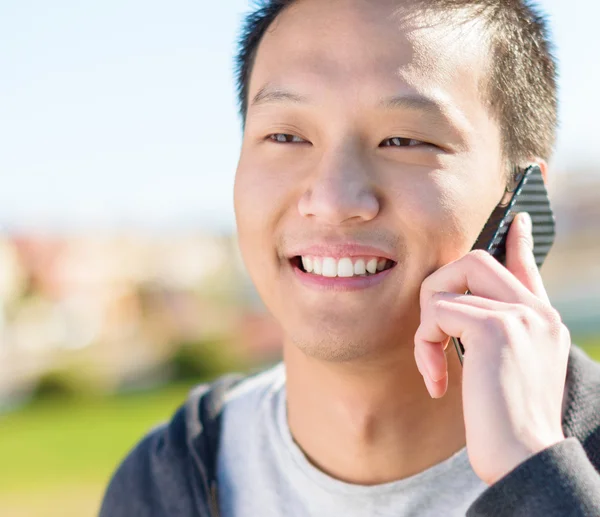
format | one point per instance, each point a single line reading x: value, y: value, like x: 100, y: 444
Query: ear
x: 543, y: 165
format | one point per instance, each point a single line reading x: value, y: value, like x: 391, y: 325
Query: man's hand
x: 516, y: 352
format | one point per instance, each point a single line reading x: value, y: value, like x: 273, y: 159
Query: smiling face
x: 367, y: 137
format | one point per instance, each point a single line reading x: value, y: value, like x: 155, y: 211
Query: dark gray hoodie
x: 172, y: 471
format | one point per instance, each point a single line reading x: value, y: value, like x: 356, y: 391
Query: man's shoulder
x: 581, y: 417
x: 171, y: 470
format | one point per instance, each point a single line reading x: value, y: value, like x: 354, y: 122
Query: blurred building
x: 119, y: 303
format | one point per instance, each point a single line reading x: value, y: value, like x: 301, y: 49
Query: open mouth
x: 346, y: 267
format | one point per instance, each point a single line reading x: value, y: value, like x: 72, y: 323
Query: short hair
x: 520, y: 88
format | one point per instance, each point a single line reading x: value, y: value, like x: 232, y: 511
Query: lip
x: 338, y: 284
x: 338, y: 251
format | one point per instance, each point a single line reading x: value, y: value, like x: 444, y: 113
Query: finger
x: 447, y: 318
x: 479, y: 273
x: 436, y: 389
x: 431, y: 359
x: 520, y: 260
x: 446, y: 343
x: 469, y: 299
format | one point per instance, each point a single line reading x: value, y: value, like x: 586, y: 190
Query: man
x: 378, y: 138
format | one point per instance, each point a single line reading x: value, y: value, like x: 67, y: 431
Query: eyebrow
x: 415, y: 102
x: 271, y: 94
x: 448, y: 118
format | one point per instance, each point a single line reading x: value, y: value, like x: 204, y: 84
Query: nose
x: 341, y: 189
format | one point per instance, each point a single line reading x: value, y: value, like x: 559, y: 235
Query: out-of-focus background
x: 120, y: 280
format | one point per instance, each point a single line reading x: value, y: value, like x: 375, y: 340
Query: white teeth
x: 329, y: 267
x: 345, y: 268
x: 307, y: 264
x: 317, y: 266
x: 359, y: 267
x: 372, y: 266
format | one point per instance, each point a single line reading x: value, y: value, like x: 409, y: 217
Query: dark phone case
x: 529, y: 196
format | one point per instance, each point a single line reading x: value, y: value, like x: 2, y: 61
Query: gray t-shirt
x: 262, y: 472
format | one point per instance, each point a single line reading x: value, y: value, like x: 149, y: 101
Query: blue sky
x: 123, y: 112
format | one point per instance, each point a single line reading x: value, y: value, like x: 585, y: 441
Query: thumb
x: 520, y: 260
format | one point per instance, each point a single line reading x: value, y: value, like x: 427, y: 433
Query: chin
x: 343, y: 336
x: 342, y: 346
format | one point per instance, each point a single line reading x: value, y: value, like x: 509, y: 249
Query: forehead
x: 359, y: 49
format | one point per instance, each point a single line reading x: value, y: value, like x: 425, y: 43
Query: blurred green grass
x: 591, y: 346
x: 56, y: 457
x: 72, y: 447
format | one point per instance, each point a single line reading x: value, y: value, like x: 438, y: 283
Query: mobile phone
x: 528, y: 195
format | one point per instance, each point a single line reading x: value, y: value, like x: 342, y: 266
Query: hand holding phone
x: 528, y: 195
x: 517, y: 347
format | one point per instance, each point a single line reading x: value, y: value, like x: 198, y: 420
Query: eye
x: 284, y: 138
x: 403, y: 142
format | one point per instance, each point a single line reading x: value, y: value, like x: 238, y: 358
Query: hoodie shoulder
x: 169, y: 472
x: 581, y: 416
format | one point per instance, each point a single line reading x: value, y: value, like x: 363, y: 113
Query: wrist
x: 520, y: 454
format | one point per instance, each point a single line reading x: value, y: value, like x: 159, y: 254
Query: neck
x: 372, y: 423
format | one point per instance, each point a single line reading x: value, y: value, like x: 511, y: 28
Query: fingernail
x: 527, y: 227
x: 430, y: 376
x: 526, y: 221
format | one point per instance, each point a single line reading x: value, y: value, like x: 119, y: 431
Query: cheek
x: 444, y: 218
x: 252, y: 217
x: 261, y: 198
x: 261, y: 193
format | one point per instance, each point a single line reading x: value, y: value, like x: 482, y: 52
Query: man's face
x: 391, y: 154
